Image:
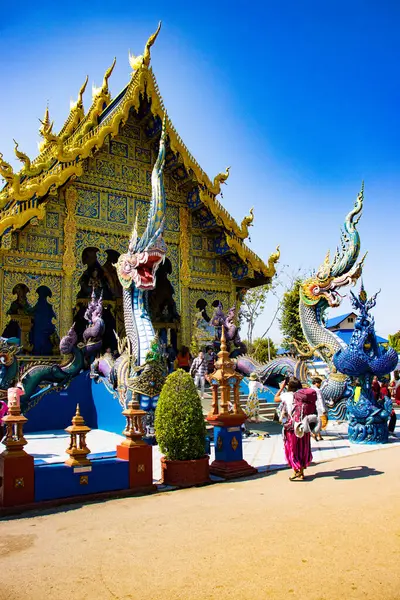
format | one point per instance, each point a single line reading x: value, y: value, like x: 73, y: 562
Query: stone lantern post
x: 227, y: 416
x: 78, y: 449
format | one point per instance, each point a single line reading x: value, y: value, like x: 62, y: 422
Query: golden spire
x: 46, y: 119
x: 144, y: 59
x: 46, y: 124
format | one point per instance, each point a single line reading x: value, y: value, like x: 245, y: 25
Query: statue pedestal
x: 135, y: 450
x: 16, y: 479
x: 229, y: 462
x: 140, y: 457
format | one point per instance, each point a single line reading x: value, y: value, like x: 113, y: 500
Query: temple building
x: 67, y: 215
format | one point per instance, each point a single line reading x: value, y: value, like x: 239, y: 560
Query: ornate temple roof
x: 61, y: 157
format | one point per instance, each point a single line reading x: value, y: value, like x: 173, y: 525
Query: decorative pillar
x: 69, y: 260
x: 25, y: 325
x: 78, y: 449
x: 184, y: 273
x: 16, y: 466
x: 135, y: 450
x: 225, y: 381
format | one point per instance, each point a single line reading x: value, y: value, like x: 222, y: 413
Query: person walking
x: 171, y: 357
x: 183, y: 359
x: 252, y: 408
x: 321, y: 408
x: 384, y: 389
x: 297, y: 414
x: 376, y: 388
x: 285, y: 394
x: 198, y: 370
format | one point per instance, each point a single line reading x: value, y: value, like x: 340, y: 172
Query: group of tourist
x: 198, y: 367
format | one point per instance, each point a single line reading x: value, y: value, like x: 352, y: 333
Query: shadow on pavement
x: 349, y: 473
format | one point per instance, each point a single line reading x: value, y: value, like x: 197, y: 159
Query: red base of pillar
x: 231, y: 470
x: 17, y: 479
x: 140, y: 459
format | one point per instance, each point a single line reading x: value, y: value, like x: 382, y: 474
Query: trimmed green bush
x: 179, y: 422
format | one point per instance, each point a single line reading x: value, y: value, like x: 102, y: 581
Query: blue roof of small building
x: 345, y: 335
x: 336, y: 320
x: 281, y: 351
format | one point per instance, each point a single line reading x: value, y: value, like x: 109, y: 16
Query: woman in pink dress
x: 296, y: 404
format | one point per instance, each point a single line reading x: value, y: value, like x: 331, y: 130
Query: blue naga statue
x: 139, y: 373
x: 362, y: 359
x: 319, y: 292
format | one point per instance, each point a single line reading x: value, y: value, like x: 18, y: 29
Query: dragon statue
x: 139, y: 373
x: 40, y: 378
x: 362, y: 359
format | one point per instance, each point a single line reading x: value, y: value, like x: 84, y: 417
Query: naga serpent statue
x: 229, y: 322
x: 139, y: 373
x: 316, y: 295
x: 59, y: 376
x: 363, y: 358
x: 320, y: 292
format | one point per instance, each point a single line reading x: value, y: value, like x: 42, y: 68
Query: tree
x: 290, y: 317
x: 264, y: 350
x: 394, y: 341
x: 252, y: 307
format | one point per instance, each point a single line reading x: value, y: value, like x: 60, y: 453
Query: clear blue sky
x: 302, y: 99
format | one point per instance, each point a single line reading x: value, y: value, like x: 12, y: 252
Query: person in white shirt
x: 285, y: 395
x: 321, y: 408
x: 252, y: 409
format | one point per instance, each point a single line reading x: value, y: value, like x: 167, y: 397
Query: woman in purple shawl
x: 294, y: 406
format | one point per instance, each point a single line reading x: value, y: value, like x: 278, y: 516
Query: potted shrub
x: 181, y: 432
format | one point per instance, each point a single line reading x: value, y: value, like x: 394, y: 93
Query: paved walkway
x: 266, y: 454
x: 332, y: 537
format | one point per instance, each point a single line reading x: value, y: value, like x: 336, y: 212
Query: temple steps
x: 267, y: 409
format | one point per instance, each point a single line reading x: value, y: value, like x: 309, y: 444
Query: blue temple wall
x: 107, y: 409
x: 54, y: 481
x: 56, y: 409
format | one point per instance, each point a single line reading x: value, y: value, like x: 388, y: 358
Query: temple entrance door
x: 162, y: 306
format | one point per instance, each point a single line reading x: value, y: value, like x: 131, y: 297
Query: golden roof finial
x: 22, y: 156
x: 96, y: 91
x: 219, y: 180
x: 79, y: 101
x: 245, y: 224
x: 144, y: 59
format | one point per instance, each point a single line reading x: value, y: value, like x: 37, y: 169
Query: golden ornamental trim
x: 78, y: 147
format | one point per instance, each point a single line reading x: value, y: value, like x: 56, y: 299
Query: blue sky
x: 302, y: 99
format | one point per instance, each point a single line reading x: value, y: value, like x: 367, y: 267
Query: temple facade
x: 67, y: 215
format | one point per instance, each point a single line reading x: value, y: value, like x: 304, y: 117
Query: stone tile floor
x: 266, y: 454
